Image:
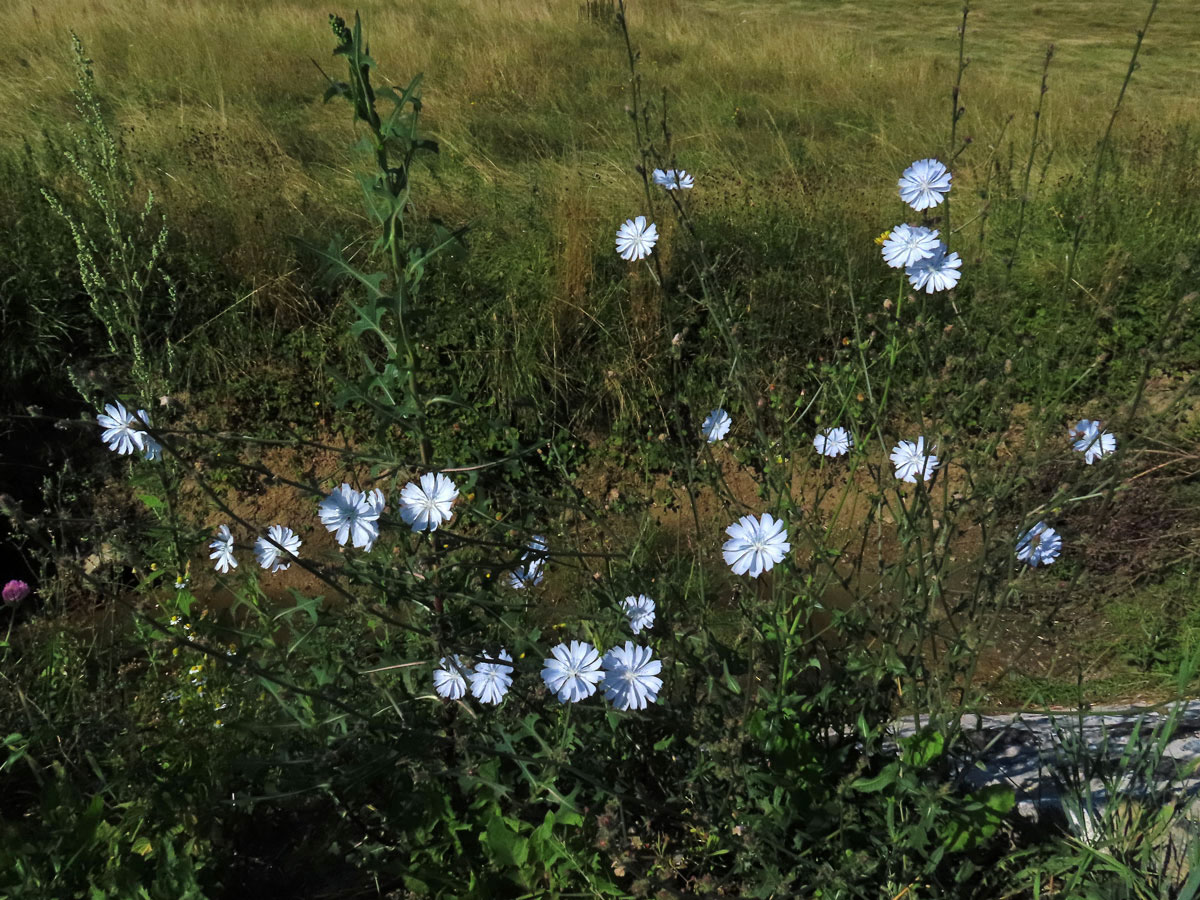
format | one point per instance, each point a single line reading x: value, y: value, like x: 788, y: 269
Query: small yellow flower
x: 883, y: 237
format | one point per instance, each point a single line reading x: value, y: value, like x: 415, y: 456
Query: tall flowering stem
x: 391, y: 389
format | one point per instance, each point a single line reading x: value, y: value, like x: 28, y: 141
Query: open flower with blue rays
x: 427, y: 505
x: 491, y: 680
x: 1093, y: 443
x: 1039, y: 545
x: 636, y: 238
x: 572, y: 672
x: 631, y: 676
x: 755, y: 545
x: 911, y: 460
x: 529, y: 573
x: 924, y: 184
x: 938, y: 272
x: 269, y: 555
x: 351, y: 516
x: 716, y: 426
x: 222, y: 551
x: 833, y: 442
x: 906, y: 245
x: 673, y: 180
x: 449, y: 680
x: 121, y: 431
x: 640, y: 611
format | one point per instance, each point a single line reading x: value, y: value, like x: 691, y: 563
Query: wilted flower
x: 906, y: 245
x: 910, y: 460
x: 351, y: 515
x: 427, y: 505
x: 530, y: 573
x: 491, y: 680
x: 1093, y: 443
x: 716, y: 426
x: 924, y: 184
x: 15, y: 591
x: 754, y: 545
x: 222, y: 549
x: 631, y: 676
x: 640, y: 610
x: 672, y: 179
x: 268, y: 554
x: 635, y: 239
x: 939, y: 272
x: 120, y: 429
x: 833, y: 442
x: 572, y: 672
x: 1039, y: 545
x: 151, y: 449
x: 449, y: 680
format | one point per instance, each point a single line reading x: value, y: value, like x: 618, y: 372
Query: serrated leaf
x: 336, y: 267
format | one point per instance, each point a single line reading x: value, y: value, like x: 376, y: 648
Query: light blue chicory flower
x: 121, y: 431
x: 938, y: 272
x: 755, y: 545
x: 833, y: 442
x: 572, y: 672
x: 924, y: 184
x: 1093, y: 443
x: 910, y: 460
x: 491, y: 680
x: 352, y: 515
x: 449, y: 681
x: 427, y: 505
x: 636, y: 238
x: 1039, y: 545
x: 907, y: 244
x: 529, y: 574
x: 631, y: 676
x: 268, y: 554
x: 222, y: 549
x: 673, y: 180
x: 716, y: 425
x: 640, y: 610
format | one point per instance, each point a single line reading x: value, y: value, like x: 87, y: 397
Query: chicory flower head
x: 716, y: 426
x: 631, y: 676
x: 924, y: 184
x: 755, y: 545
x: 269, y: 555
x: 427, y: 505
x: 636, y: 238
x: 572, y: 672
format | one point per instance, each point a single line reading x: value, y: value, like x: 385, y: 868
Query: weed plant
x: 144, y: 760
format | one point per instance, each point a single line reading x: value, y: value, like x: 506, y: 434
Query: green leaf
x: 336, y: 267
x: 151, y: 502
x: 922, y: 749
x: 882, y: 781
x: 506, y: 847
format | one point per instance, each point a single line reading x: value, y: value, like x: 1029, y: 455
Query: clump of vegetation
x: 585, y: 532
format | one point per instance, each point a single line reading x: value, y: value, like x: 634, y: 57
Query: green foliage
x: 118, y: 272
x: 766, y: 768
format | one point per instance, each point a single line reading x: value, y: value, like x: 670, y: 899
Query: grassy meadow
x: 276, y: 733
